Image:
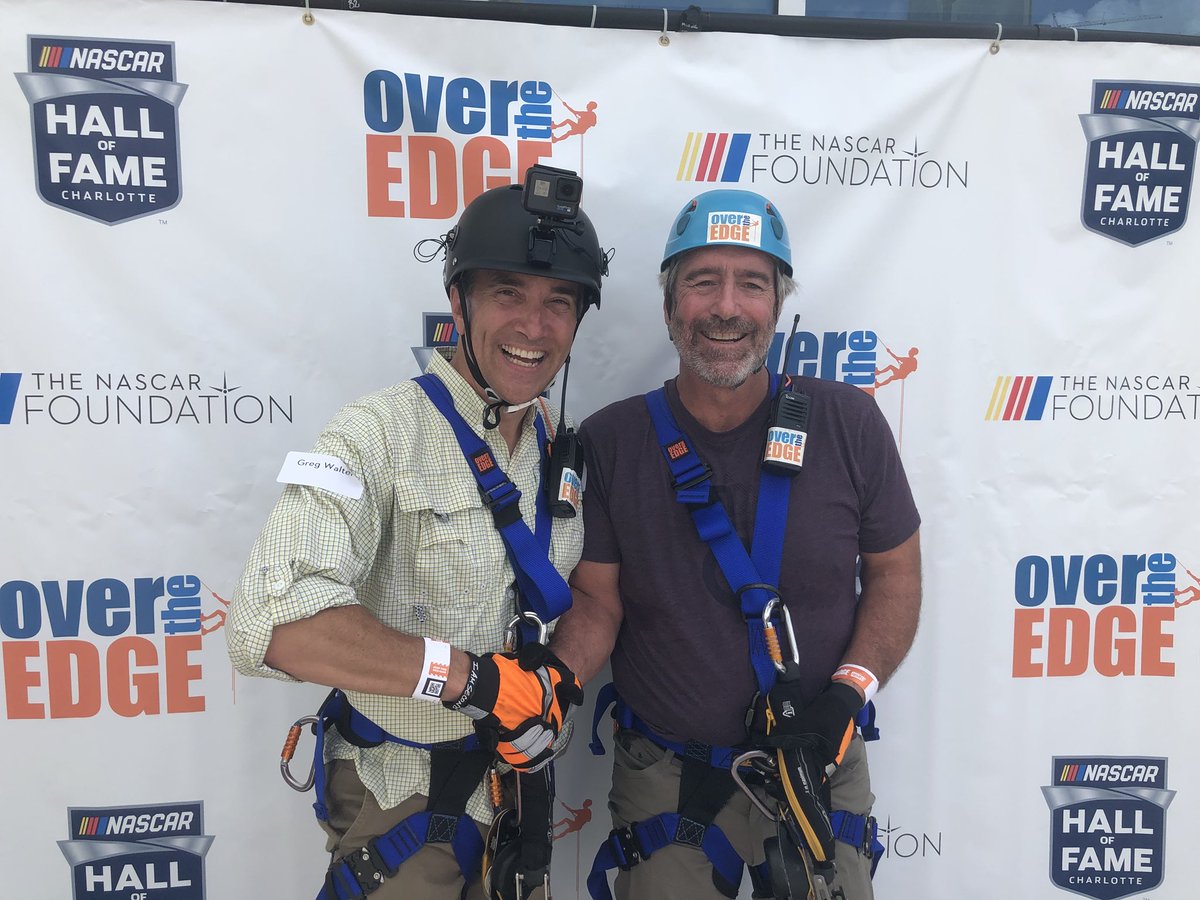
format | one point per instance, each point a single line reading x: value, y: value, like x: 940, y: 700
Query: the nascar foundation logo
x: 134, y: 398
x: 151, y: 852
x: 849, y: 160
x: 1108, y: 824
x: 1140, y: 397
x: 105, y: 125
x: 1140, y: 155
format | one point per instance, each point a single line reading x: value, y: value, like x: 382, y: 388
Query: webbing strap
x: 626, y: 847
x: 692, y: 482
x: 860, y: 831
x: 543, y: 590
x: 337, y: 711
x: 360, y: 873
x: 714, y: 755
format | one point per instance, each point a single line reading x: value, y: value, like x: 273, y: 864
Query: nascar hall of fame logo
x: 134, y: 398
x: 75, y: 649
x: 435, y: 143
x: 440, y: 335
x: 1162, y: 396
x: 1141, y: 149
x: 150, y: 852
x: 1108, y: 824
x: 1098, y: 614
x: 855, y: 160
x: 105, y: 125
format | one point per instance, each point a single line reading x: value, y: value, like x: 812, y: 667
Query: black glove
x: 823, y: 726
x: 519, y: 703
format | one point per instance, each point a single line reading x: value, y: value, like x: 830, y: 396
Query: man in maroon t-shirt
x: 653, y: 595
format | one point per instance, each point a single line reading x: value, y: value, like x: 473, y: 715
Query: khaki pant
x: 646, y: 783
x: 431, y: 873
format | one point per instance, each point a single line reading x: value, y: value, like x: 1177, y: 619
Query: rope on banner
x: 307, y: 18
x: 995, y: 48
x: 593, y: 25
x: 1075, y: 31
x: 663, y: 39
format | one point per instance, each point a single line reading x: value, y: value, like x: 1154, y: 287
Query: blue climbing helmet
x: 730, y: 218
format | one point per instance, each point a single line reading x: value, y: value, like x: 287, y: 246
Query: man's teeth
x: 531, y: 355
x: 724, y: 335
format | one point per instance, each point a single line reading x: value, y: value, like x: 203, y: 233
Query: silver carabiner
x: 289, y: 750
x: 511, y: 634
x: 746, y: 759
x: 769, y: 629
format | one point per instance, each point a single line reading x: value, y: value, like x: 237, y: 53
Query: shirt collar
x: 468, y: 403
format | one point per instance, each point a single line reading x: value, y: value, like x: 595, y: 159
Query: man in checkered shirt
x: 381, y: 572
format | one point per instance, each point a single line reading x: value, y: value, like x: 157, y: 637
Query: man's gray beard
x: 726, y: 373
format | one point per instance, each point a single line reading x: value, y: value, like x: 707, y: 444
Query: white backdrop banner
x: 208, y: 224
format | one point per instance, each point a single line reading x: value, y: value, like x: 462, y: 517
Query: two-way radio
x: 563, y: 481
x: 787, y: 429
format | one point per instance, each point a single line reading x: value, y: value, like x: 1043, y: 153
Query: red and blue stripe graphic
x: 90, y: 826
x: 1070, y: 772
x: 713, y: 156
x: 1019, y: 398
x: 54, y: 57
x: 1112, y: 99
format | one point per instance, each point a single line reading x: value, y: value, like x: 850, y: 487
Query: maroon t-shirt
x: 681, y: 659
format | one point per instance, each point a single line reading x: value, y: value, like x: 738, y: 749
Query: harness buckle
x: 628, y: 847
x: 503, y: 502
x: 368, y: 867
x: 680, y: 486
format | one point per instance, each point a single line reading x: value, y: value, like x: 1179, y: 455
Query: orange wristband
x: 859, y: 676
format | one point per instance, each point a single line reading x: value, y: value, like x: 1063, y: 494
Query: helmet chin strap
x: 496, y: 403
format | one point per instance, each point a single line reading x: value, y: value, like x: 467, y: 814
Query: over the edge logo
x: 850, y: 356
x: 75, y: 649
x: 1108, y: 827
x: 849, y: 160
x: 1102, y: 613
x: 151, y: 852
x: 463, y: 137
x: 1140, y: 155
x: 105, y: 125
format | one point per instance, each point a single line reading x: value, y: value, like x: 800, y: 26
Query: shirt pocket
x: 457, y: 566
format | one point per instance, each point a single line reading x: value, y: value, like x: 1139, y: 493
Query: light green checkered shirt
x: 418, y: 550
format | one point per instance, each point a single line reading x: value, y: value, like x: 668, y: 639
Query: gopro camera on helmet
x: 552, y: 193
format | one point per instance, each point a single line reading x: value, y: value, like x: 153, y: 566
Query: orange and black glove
x: 519, y: 702
x: 823, y: 726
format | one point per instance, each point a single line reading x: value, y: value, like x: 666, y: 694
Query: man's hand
x: 519, y: 703
x: 823, y: 726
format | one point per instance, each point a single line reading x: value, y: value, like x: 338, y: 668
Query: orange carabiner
x: 289, y: 750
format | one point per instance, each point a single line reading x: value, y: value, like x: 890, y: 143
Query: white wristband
x: 859, y: 676
x: 434, y: 671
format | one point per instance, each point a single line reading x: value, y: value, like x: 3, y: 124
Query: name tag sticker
x: 321, y: 471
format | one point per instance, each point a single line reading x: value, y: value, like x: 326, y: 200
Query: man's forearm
x: 348, y: 648
x: 888, y: 610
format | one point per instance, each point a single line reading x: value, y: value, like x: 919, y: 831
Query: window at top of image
x: 1151, y: 16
